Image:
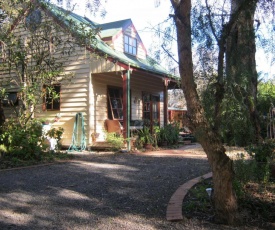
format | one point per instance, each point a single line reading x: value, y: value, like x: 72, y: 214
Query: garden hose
x: 79, y: 137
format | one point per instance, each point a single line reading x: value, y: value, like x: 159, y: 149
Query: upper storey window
x: 130, y: 45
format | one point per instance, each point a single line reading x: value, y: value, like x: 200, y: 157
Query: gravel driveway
x: 98, y: 191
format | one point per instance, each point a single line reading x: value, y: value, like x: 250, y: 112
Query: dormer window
x: 130, y: 45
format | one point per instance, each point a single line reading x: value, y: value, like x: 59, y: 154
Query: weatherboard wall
x: 86, y: 91
x: 74, y: 95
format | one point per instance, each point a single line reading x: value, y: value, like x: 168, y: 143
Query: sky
x: 145, y: 14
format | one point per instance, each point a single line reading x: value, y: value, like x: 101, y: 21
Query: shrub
x: 169, y: 133
x: 245, y: 171
x: 257, y: 169
x: 263, y: 154
x: 22, y: 141
x: 3, y: 150
x: 145, y: 136
x: 115, y: 140
x: 56, y: 134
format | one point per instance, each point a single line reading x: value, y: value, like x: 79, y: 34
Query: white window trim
x: 130, y: 47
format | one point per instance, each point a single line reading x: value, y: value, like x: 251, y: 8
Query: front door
x: 151, y: 111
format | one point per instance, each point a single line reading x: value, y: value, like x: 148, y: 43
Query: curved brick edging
x: 174, y: 207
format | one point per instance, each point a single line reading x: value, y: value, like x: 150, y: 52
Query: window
x: 51, y: 45
x: 130, y: 45
x: 115, y: 103
x: 10, y: 99
x: 52, y: 97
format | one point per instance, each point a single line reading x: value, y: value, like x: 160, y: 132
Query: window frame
x: 148, y: 102
x: 51, y: 106
x: 130, y: 45
x: 111, y: 108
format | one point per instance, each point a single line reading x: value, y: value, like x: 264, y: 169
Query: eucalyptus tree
x: 231, y: 29
x: 224, y: 197
x: 232, y: 101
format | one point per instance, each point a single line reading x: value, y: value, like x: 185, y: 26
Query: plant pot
x: 163, y: 143
x: 148, y: 146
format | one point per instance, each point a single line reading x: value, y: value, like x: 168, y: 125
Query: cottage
x: 113, y: 78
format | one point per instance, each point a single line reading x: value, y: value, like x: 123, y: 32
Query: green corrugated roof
x: 109, y: 29
x: 112, y: 28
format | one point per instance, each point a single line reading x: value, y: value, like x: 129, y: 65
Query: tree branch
x: 210, y: 21
x: 169, y: 54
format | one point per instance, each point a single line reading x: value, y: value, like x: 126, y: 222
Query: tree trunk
x: 240, y: 57
x: 224, y: 197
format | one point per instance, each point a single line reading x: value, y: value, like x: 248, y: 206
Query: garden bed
x: 256, y: 206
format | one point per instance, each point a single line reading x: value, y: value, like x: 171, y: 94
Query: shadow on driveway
x: 96, y: 191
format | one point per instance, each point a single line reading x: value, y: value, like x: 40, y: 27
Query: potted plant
x: 146, y: 138
x: 44, y: 121
x: 163, y: 136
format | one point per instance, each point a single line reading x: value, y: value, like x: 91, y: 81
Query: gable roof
x: 108, y: 29
x: 112, y: 28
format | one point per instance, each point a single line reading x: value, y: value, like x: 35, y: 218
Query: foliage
x: 145, y: 136
x: 262, y: 152
x: 23, y: 141
x: 10, y: 161
x: 162, y: 135
x: 56, y: 134
x: 197, y: 199
x: 115, y: 140
x: 257, y: 169
x: 264, y: 155
x: 245, y: 171
x: 235, y: 127
x: 255, y: 203
x: 169, y: 133
x: 156, y: 135
x: 265, y: 102
x: 3, y: 150
x: 266, y: 96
